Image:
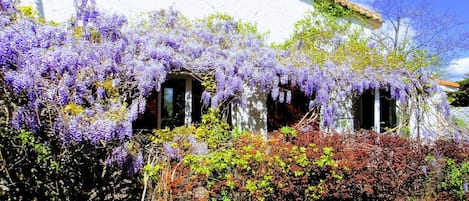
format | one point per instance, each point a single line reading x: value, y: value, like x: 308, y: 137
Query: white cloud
x: 457, y: 69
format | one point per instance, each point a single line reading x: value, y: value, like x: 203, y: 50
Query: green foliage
x: 43, y: 152
x: 237, y: 133
x: 215, y: 163
x: 95, y: 36
x: 457, y: 176
x: 35, y: 169
x: 326, y: 159
x: 168, y: 135
x: 152, y: 170
x: 331, y: 8
x: 74, y: 109
x: 447, y: 170
x: 328, y: 35
x: 212, y: 129
x: 251, y: 166
x: 30, y: 12
x: 460, y: 98
x: 286, y: 130
x: 78, y: 31
x: 213, y: 19
x: 461, y: 123
x: 244, y: 28
x: 326, y: 38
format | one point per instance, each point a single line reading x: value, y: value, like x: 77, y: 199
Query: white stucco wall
x: 462, y: 114
x: 426, y: 122
x: 343, y: 122
x: 253, y: 115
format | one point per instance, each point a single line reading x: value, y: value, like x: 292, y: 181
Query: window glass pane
x: 168, y: 102
x: 173, y: 103
x: 197, y: 106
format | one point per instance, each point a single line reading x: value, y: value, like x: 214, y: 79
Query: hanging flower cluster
x: 90, y: 78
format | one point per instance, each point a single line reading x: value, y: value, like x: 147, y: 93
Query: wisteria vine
x: 87, y: 80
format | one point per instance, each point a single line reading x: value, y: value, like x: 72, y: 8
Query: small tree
x: 412, y: 34
x: 327, y: 34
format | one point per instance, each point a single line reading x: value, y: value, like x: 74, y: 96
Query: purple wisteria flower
x: 18, y: 118
x: 206, y: 98
x: 198, y: 148
x: 424, y: 169
x: 311, y: 104
x: 137, y: 163
x: 126, y: 157
x: 101, y: 93
x: 63, y: 94
x: 172, y: 152
x: 74, y: 129
x: 19, y: 80
x: 214, y: 102
x: 328, y: 116
x: 281, y: 97
x: 55, y: 66
x: 6, y: 5
x: 275, y: 93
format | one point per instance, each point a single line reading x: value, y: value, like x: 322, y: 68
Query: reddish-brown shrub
x: 314, y: 165
x: 373, y: 166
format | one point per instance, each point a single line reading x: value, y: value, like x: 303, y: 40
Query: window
x: 284, y: 114
x: 177, y: 103
x: 375, y: 110
x: 197, y: 106
x: 173, y: 103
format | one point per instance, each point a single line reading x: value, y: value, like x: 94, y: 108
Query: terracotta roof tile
x: 448, y: 83
x: 363, y: 11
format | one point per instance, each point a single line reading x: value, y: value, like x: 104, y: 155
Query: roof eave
x: 448, y: 83
x: 372, y: 18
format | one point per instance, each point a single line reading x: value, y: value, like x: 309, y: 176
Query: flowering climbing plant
x: 73, y: 90
x: 87, y: 80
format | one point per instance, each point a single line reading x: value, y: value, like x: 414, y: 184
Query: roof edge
x: 374, y: 16
x: 448, y: 83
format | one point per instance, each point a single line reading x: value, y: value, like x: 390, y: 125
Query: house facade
x: 179, y: 100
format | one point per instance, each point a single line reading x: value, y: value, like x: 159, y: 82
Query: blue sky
x: 460, y: 9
